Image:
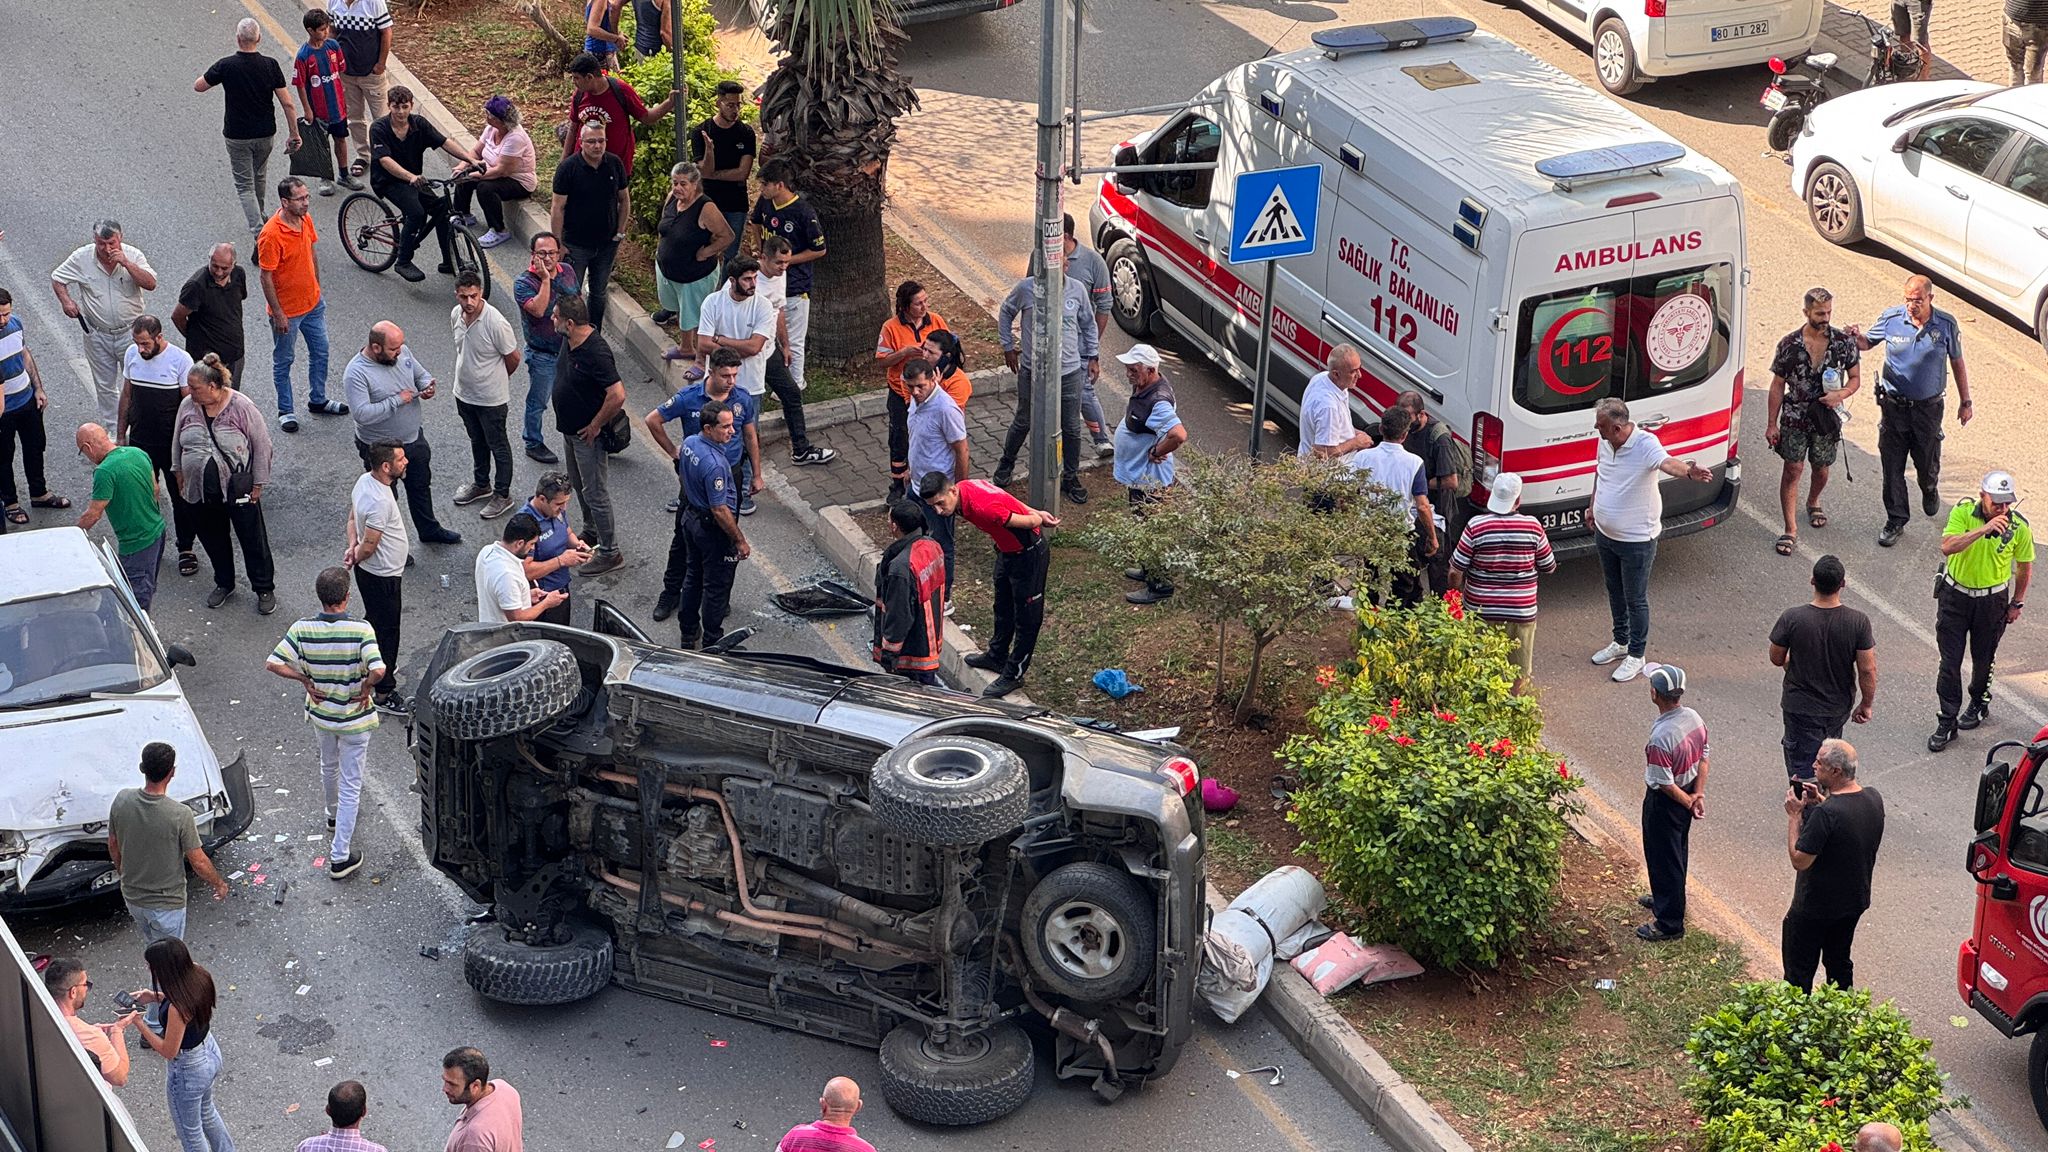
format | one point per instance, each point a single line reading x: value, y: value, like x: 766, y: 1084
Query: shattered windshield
x: 67, y: 647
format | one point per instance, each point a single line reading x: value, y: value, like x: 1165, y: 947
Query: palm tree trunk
x: 850, y: 297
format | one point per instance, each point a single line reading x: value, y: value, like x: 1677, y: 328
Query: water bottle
x: 1831, y: 380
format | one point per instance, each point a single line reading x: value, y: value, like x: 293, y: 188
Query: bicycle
x: 370, y: 228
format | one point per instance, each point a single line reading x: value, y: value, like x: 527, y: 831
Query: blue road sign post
x: 1273, y: 217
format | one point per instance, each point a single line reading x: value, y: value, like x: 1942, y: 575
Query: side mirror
x: 1128, y: 184
x: 1899, y: 145
x: 178, y: 654
x: 1982, y: 856
x: 1992, y: 785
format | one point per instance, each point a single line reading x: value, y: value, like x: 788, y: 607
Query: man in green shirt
x: 1982, y: 587
x: 124, y: 491
x: 335, y: 658
x: 150, y: 838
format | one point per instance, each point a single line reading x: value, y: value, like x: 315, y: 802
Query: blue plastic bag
x: 1114, y: 682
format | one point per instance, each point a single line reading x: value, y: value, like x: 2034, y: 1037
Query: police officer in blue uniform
x: 709, y: 526
x: 685, y: 406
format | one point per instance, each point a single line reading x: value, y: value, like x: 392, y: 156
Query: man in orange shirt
x: 291, y: 288
x: 69, y: 984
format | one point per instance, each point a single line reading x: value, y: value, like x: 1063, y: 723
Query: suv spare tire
x: 986, y: 1075
x: 514, y: 973
x: 1090, y: 932
x: 507, y: 689
x: 950, y: 790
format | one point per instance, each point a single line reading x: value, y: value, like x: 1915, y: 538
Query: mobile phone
x: 125, y: 1001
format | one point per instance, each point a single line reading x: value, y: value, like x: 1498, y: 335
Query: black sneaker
x: 218, y: 597
x: 266, y: 603
x: 336, y: 869
x: 394, y: 705
x: 407, y: 272
x: 985, y: 662
x: 814, y: 455
x: 665, y: 606
x: 1930, y: 502
x: 1890, y: 535
x: 1646, y: 901
x: 445, y: 268
x: 330, y: 823
x: 1977, y: 713
x: 444, y: 536
x: 662, y: 317
x: 1148, y: 595
x: 897, y: 490
x: 1134, y: 573
x: 542, y: 454
x: 1944, y: 735
x: 1656, y: 935
x: 1001, y: 686
x: 1003, y: 476
x: 1074, y: 494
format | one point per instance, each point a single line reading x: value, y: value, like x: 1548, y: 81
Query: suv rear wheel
x: 1090, y: 932
x: 975, y: 1079
x: 514, y: 973
x: 950, y: 790
x: 508, y: 689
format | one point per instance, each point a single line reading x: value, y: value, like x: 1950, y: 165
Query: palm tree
x: 831, y: 106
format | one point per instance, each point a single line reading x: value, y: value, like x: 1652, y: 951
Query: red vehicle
x: 2002, y: 969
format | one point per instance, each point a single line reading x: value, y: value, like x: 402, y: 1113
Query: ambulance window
x: 1195, y: 140
x: 2030, y: 832
x: 1679, y: 326
x: 1567, y: 350
x: 1636, y: 339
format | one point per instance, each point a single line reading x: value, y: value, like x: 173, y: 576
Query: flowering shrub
x: 1425, y: 789
x: 1779, y: 1070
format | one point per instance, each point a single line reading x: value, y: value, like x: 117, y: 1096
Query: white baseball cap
x: 2001, y: 489
x: 1506, y: 490
x: 1141, y: 354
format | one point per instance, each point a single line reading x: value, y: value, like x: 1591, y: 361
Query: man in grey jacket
x: 1080, y: 362
x: 384, y: 386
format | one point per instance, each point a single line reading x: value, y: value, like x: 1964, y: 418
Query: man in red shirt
x: 833, y: 1130
x: 611, y: 102
x: 1022, y: 560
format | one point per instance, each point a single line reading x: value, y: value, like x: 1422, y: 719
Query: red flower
x: 1504, y: 747
x: 1457, y: 612
x: 1476, y: 748
x: 1394, y: 706
x: 1403, y: 739
x: 1828, y: 1103
x: 1563, y: 773
x: 1379, y: 723
x: 1326, y: 676
x: 1831, y: 1146
x: 1448, y: 717
x: 1454, y: 598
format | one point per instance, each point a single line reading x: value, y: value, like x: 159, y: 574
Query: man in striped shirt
x: 1674, y: 795
x: 336, y: 659
x: 346, y: 1104
x: 1496, y: 562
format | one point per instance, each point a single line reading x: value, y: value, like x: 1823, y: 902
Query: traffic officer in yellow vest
x: 1982, y: 587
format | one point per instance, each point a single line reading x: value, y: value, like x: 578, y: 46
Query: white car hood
x: 1864, y: 110
x: 66, y: 763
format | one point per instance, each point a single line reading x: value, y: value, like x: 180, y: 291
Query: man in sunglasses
x: 1989, y: 551
x: 69, y: 984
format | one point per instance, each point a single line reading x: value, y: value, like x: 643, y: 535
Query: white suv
x: 85, y: 682
x: 1637, y: 41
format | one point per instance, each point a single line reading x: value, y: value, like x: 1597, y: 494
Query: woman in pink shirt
x: 507, y: 154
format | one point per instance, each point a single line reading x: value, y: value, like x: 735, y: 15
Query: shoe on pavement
x: 602, y: 562
x: 1944, y: 735
x: 1003, y: 477
x: 746, y: 505
x: 665, y: 606
x: 266, y: 603
x: 329, y: 408
x: 949, y: 609
x: 1930, y: 502
x: 1890, y: 535
x: 445, y: 268
x: 348, y: 180
x: 1610, y: 654
x: 444, y: 536
x: 327, y: 187
x: 1148, y: 595
x: 336, y: 869
x: 407, y: 272
x: 985, y: 662
x: 1002, y: 686
x: 471, y: 493
x: 498, y: 506
x: 814, y: 455
x: 675, y: 506
x: 394, y: 705
x: 492, y: 238
x: 664, y: 316
x: 541, y: 454
x: 1629, y: 668
x: 1074, y: 493
x: 1656, y: 935
x: 288, y: 421
x: 1646, y: 901
x: 1977, y: 713
x: 218, y: 597
x: 1105, y: 448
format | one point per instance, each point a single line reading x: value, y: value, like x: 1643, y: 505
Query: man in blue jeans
x: 545, y: 280
x: 1627, y: 515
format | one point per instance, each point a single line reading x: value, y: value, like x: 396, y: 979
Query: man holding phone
x: 1989, y: 548
x: 69, y: 984
x: 1833, y: 829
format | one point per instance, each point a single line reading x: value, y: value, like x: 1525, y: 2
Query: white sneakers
x: 1631, y: 666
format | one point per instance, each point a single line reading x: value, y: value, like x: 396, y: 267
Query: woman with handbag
x: 507, y: 155
x: 186, y: 993
x: 694, y: 235
x: 220, y: 450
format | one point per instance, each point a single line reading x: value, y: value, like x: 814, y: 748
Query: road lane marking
x: 1255, y: 1091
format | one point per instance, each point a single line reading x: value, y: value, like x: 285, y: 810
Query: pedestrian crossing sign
x: 1275, y: 214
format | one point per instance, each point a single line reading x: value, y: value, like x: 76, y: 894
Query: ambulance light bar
x: 1593, y: 165
x: 1392, y: 35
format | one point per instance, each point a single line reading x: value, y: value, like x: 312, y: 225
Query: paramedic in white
x: 503, y: 593
x: 1626, y: 515
x: 1326, y: 429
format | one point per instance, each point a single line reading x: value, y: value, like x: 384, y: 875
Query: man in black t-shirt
x: 588, y: 393
x: 252, y: 80
x: 1833, y: 829
x: 209, y: 311
x: 781, y: 212
x: 589, y: 212
x: 724, y: 147
x: 399, y: 144
x: 1829, y: 655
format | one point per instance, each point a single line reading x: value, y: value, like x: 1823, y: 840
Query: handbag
x: 616, y: 434
x: 312, y: 159
x: 241, y: 481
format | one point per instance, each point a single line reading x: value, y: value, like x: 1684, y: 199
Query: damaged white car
x: 85, y: 682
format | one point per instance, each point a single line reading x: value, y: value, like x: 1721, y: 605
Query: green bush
x: 1779, y: 1070
x: 1425, y: 790
x: 652, y: 76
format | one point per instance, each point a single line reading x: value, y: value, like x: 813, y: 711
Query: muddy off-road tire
x: 950, y: 790
x: 514, y: 973
x: 508, y: 689
x: 987, y: 1077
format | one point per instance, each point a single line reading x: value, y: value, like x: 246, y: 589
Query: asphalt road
x: 323, y: 981
x: 962, y: 186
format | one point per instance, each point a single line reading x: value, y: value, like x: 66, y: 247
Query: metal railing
x: 51, y: 1097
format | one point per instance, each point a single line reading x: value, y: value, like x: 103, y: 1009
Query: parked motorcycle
x: 1791, y: 96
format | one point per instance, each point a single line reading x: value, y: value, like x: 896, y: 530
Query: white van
x: 1636, y: 41
x: 1492, y: 233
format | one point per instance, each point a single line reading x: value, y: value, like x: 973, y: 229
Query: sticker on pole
x: 1275, y: 214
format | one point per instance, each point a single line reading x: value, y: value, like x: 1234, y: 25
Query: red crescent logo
x: 1543, y: 350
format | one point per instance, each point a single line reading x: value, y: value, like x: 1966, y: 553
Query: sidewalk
x: 1968, y: 37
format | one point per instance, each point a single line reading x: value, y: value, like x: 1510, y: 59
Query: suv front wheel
x: 971, y: 1080
x: 510, y: 972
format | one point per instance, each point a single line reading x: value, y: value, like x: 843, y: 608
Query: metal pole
x: 1265, y: 359
x: 1051, y: 277
x: 675, y: 63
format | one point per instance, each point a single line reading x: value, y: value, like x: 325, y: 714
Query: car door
x: 1923, y: 189
x: 2012, y: 913
x: 1193, y: 248
x: 2007, y: 246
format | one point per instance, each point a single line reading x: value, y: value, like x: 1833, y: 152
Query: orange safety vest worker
x: 910, y: 606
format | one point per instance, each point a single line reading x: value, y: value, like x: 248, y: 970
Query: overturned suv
x: 818, y: 848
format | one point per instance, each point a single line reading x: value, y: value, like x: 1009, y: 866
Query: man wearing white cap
x: 1496, y: 561
x: 1990, y: 559
x: 1145, y: 442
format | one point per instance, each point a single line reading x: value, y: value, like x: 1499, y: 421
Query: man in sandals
x: 1815, y: 367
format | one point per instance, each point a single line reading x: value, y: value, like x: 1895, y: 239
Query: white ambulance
x: 1491, y: 232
